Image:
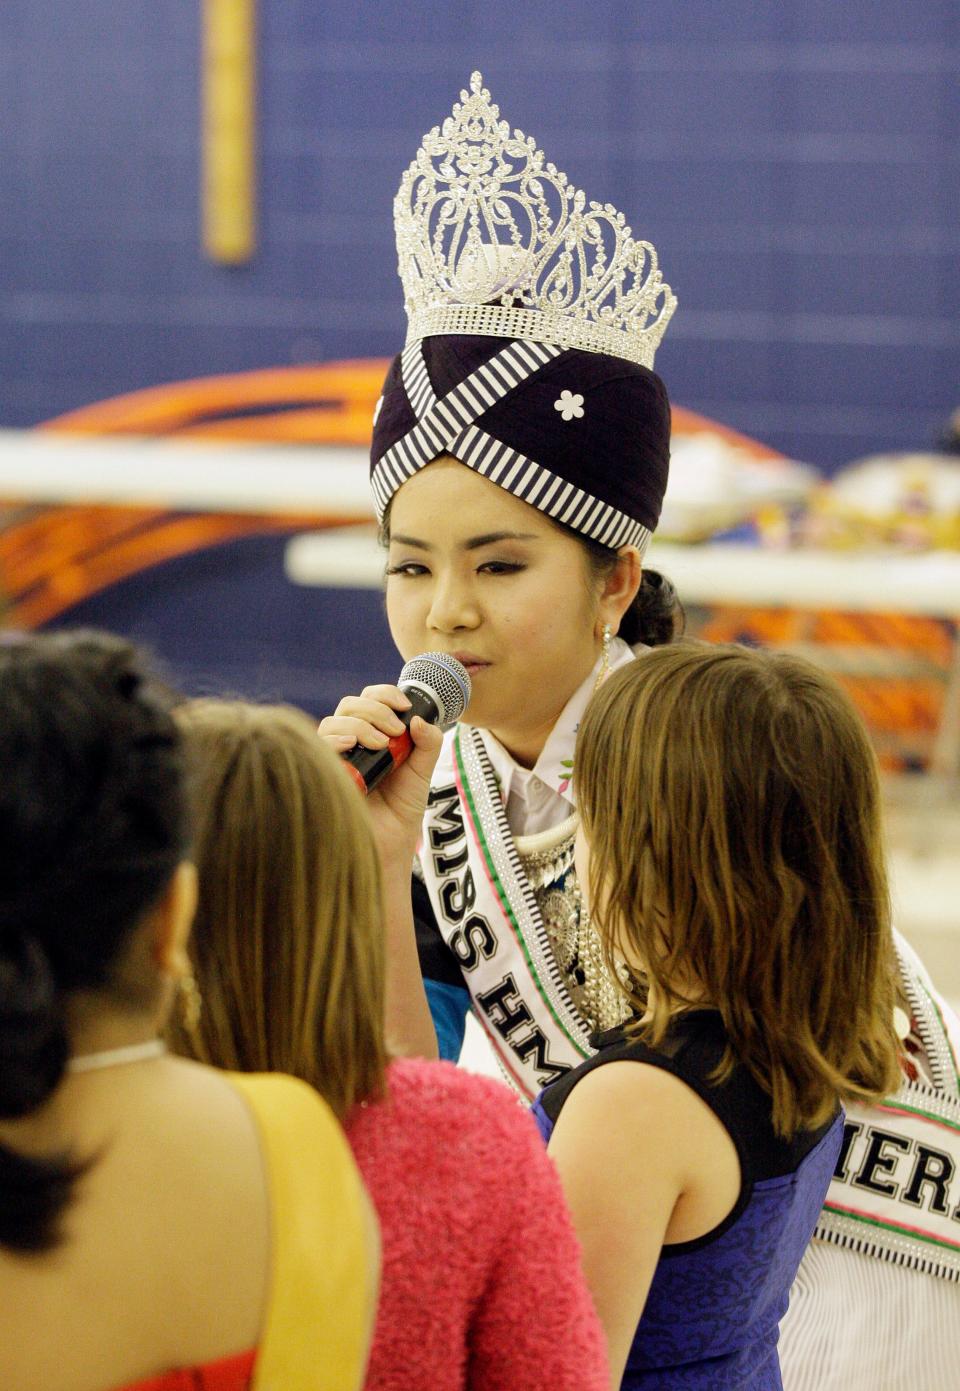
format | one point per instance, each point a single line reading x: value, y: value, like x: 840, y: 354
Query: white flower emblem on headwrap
x: 569, y: 405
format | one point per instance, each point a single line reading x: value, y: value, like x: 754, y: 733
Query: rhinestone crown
x: 493, y: 240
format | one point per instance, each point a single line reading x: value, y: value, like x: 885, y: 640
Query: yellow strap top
x: 323, y: 1281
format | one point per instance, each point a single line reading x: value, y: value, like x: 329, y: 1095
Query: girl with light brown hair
x: 730, y: 851
x: 289, y: 953
x: 281, y: 840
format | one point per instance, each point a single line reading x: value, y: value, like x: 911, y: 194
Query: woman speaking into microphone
x: 519, y: 462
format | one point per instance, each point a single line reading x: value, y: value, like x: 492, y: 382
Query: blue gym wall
x: 795, y: 164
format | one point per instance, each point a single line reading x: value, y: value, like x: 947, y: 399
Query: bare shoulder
x: 630, y: 1092
x: 205, y: 1136
x: 622, y: 1114
x: 200, y: 1102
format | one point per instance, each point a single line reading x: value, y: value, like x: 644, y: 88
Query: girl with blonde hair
x: 730, y: 852
x: 290, y: 954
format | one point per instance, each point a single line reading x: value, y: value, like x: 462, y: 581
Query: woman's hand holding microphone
x: 398, y: 801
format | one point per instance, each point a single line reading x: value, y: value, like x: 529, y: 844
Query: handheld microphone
x: 438, y: 688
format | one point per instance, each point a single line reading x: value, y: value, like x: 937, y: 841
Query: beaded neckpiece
x: 547, y: 860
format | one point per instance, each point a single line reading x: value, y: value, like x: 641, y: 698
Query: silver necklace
x: 547, y: 855
x: 114, y: 1057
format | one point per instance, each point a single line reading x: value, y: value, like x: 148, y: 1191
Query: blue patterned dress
x: 712, y: 1314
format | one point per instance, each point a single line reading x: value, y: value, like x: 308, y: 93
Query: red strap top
x: 227, y: 1374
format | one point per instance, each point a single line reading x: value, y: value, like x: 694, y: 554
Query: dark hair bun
x: 656, y: 615
x: 33, y: 1037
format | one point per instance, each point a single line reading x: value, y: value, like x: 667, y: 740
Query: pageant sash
x: 896, y: 1190
x: 487, y: 914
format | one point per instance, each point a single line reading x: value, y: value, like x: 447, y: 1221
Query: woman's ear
x: 173, y: 917
x: 620, y: 587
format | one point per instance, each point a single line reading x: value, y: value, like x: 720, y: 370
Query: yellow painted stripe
x: 229, y: 129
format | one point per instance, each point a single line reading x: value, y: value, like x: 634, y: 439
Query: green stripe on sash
x: 894, y: 1104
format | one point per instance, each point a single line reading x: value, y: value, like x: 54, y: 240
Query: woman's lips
x: 473, y: 664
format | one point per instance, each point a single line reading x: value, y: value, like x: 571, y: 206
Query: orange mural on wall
x: 52, y: 558
x: 326, y: 403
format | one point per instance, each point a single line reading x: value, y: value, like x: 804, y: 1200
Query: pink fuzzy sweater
x: 482, y: 1287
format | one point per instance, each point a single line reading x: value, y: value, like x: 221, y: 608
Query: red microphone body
x: 438, y: 688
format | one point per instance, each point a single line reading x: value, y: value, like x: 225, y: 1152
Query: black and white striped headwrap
x: 581, y: 436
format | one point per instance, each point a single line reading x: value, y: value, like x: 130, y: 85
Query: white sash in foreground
x: 487, y: 914
x: 896, y: 1190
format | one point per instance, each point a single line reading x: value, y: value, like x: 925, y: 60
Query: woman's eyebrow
x: 398, y: 540
x: 489, y: 538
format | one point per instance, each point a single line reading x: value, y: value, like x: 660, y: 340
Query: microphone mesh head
x: 445, y: 680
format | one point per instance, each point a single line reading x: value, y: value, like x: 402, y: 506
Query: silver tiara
x: 493, y: 240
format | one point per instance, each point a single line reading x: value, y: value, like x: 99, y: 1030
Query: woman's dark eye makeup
x: 412, y: 569
x: 406, y: 568
x: 502, y: 567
